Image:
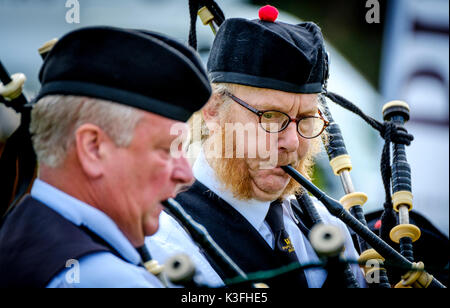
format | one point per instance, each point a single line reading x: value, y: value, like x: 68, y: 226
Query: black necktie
x: 283, y: 246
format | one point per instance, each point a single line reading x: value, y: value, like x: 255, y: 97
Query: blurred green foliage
x: 318, y: 177
x: 344, y: 25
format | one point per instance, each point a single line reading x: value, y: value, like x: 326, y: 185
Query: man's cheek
x: 304, y: 147
x: 161, y: 178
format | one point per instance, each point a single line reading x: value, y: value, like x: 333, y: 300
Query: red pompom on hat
x: 268, y: 13
x: 378, y: 224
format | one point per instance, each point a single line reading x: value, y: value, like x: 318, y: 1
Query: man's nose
x: 182, y: 172
x: 288, y: 138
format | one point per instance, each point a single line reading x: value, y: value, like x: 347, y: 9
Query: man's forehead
x: 265, y: 99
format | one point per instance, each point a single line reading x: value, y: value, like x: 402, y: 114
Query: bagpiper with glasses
x: 266, y: 75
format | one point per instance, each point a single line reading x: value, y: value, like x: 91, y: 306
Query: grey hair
x: 55, y: 118
x: 219, y: 89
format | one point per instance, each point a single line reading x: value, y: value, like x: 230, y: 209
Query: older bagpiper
x: 101, y: 130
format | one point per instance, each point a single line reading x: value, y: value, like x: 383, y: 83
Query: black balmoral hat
x: 137, y: 68
x: 270, y: 54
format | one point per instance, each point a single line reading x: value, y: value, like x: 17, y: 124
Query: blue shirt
x: 171, y: 237
x: 100, y: 269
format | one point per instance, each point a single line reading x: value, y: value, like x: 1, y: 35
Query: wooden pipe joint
x: 341, y: 162
x: 402, y: 198
x: 153, y: 267
x: 205, y: 15
x: 350, y: 200
x: 370, y: 254
x: 404, y: 230
x: 13, y: 89
x: 416, y: 278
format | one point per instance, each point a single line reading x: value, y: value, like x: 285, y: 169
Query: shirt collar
x: 83, y: 214
x: 254, y: 211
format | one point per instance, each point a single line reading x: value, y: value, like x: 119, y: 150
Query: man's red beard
x: 234, y: 173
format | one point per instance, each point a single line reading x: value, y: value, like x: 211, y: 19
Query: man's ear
x: 91, y: 147
x: 210, y: 112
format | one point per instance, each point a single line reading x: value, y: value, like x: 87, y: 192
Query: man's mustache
x: 282, y: 161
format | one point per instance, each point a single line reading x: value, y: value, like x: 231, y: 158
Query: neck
x: 69, y: 181
x: 73, y: 183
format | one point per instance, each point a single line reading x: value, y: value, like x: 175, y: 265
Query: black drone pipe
x: 336, y: 150
x: 397, y: 113
x: 18, y: 150
x: 336, y: 209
